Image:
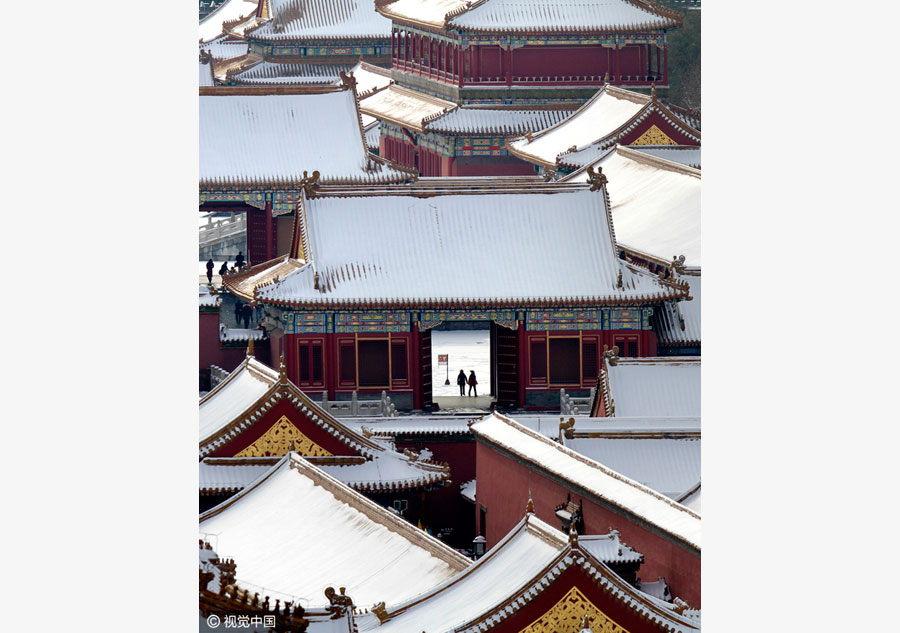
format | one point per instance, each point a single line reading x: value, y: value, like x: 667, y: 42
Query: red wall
x: 503, y: 489
x: 212, y: 352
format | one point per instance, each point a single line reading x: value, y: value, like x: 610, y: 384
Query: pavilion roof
x: 241, y: 388
x: 320, y: 19
x: 655, y: 203
x: 513, y: 574
x: 663, y: 386
x: 404, y: 107
x: 299, y: 530
x: 505, y: 121
x: 608, y: 110
x: 633, y: 498
x: 666, y: 461
x: 266, y: 72
x: 523, y: 16
x: 259, y: 137
x: 206, y: 73
x: 679, y: 323
x: 432, y: 243
x: 225, y: 15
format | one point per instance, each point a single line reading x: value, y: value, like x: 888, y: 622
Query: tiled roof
x: 298, y: 530
x: 243, y: 386
x: 373, y: 135
x: 369, y: 78
x: 609, y: 548
x: 655, y: 204
x: 623, y: 492
x: 534, y: 15
x: 316, y: 19
x: 266, y: 72
x: 404, y: 107
x: 602, y: 114
x: 679, y: 323
x: 431, y: 249
x: 206, y: 74
x: 643, y: 387
x: 469, y: 120
x: 268, y: 139
x: 669, y: 466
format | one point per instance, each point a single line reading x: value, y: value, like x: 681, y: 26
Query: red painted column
x: 508, y: 64
x: 414, y: 368
x: 270, y: 229
x: 460, y: 66
x: 618, y: 73
x: 665, y: 72
x: 521, y: 362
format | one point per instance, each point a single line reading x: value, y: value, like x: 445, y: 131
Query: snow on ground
x: 468, y: 350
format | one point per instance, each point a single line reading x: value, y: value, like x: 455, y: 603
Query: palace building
x: 260, y: 144
x: 469, y: 75
x: 371, y: 270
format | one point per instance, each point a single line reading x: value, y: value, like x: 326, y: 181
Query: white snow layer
x: 211, y: 25
x: 294, y: 19
x: 656, y: 387
x: 234, y: 395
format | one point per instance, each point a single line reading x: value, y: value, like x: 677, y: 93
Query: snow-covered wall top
x: 607, y: 484
x: 295, y: 19
x: 297, y: 530
x: 261, y: 139
x: 497, y: 248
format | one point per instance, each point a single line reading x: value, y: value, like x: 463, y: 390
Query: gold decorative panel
x: 277, y: 441
x: 654, y: 136
x: 567, y: 615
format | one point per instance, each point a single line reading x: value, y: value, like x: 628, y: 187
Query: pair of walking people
x: 462, y: 381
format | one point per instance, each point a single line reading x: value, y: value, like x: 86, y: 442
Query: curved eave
x: 485, y: 303
x: 529, y: 158
x: 403, y: 20
x: 664, y: 25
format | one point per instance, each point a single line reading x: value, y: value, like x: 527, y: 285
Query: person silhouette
x: 461, y: 381
x: 473, y: 381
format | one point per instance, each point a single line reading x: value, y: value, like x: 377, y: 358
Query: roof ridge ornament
x: 596, y: 178
x: 653, y: 91
x: 282, y: 371
x: 611, y: 355
x: 250, y: 346
x: 606, y: 78
x: 573, y: 534
x: 310, y: 184
x: 529, y: 507
x: 348, y: 81
x: 678, y: 264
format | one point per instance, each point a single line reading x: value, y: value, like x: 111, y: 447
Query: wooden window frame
x: 311, y: 341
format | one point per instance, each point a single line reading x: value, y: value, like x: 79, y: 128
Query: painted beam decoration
x: 611, y: 40
x: 545, y: 320
x: 283, y: 201
x: 360, y: 321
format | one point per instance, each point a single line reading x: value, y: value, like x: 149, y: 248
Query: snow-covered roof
x: 404, y: 107
x: 467, y: 489
x: 414, y: 425
x: 509, y: 577
x: 231, y: 397
x: 263, y: 139
x: 602, y: 114
x: 669, y: 466
x: 470, y: 120
x: 630, y: 427
x: 225, y: 47
x: 317, y: 19
x: 510, y: 16
x: 679, y: 323
x: 530, y: 547
x: 239, y: 334
x: 266, y: 72
x: 692, y: 500
x: 609, y: 548
x: 661, y: 386
x: 655, y: 203
x: 387, y: 470
x: 298, y: 530
x: 614, y: 488
x: 208, y: 300
x: 370, y: 246
x: 373, y: 134
x: 206, y: 74
x: 688, y: 155
x: 212, y: 25
x: 370, y: 78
